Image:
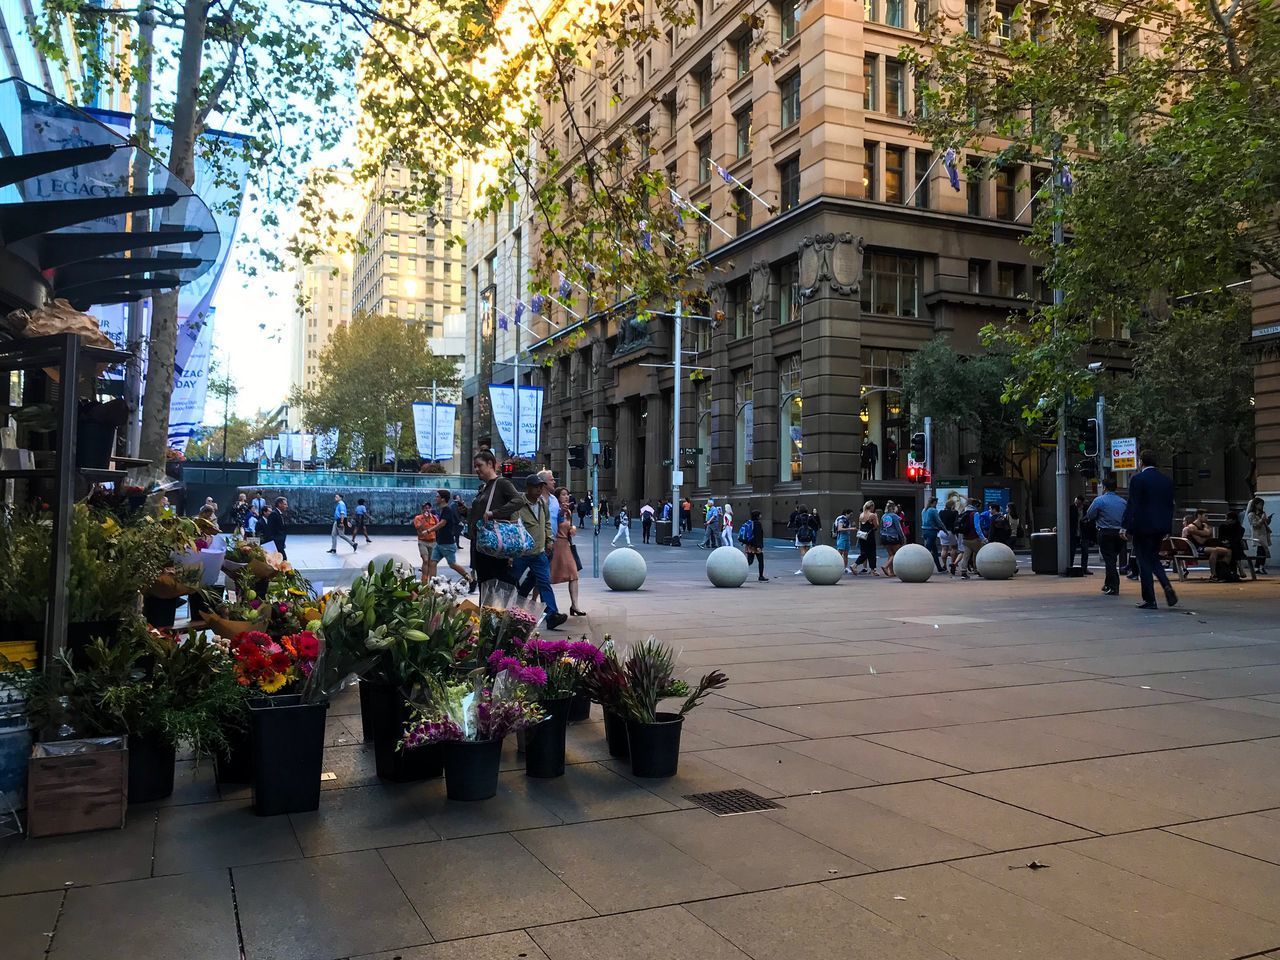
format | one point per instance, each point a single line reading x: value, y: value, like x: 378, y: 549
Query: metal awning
x: 70, y: 206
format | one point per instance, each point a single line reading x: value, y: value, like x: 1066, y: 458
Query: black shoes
x: 331, y: 551
x: 354, y: 546
x: 1147, y: 605
x: 554, y: 620
x: 1170, y: 597
x: 763, y: 579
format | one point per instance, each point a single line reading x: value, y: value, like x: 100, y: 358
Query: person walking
x: 868, y: 524
x: 278, y: 526
x: 752, y: 537
x: 623, y: 524
x: 804, y: 534
x: 1001, y: 531
x: 931, y: 526
x: 361, y: 521
x: 949, y: 536
x: 240, y: 513
x: 971, y: 540
x: 1082, y: 534
x: 585, y: 506
x: 339, y: 525
x: 891, y: 535
x: 425, y: 525
x: 843, y: 538
x: 1258, y: 529
x: 497, y: 499
x: 260, y: 502
x: 646, y: 521
x: 1107, y: 514
x: 447, y: 531
x: 686, y: 515
x: 726, y: 525
x: 1148, y: 517
x: 535, y: 514
x: 710, y: 533
x: 564, y: 567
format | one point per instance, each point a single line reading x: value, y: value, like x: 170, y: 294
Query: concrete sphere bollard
x: 624, y: 569
x: 382, y: 559
x: 996, y: 562
x: 913, y: 563
x: 727, y: 567
x: 822, y: 566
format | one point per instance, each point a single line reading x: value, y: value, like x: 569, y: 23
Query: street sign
x: 677, y: 478
x: 1124, y: 453
x: 691, y: 451
x: 668, y: 463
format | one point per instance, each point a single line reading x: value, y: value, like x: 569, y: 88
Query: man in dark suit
x: 277, y: 524
x: 1148, y: 518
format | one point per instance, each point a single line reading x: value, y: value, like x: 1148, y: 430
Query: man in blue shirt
x: 339, y: 525
x: 984, y: 522
x: 1107, y: 514
x: 930, y: 525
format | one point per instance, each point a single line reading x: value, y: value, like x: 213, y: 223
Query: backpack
x: 617, y: 520
x: 746, y: 532
x: 968, y: 529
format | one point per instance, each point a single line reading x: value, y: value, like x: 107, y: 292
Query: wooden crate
x: 75, y: 792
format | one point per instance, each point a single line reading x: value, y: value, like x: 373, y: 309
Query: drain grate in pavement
x: 730, y: 803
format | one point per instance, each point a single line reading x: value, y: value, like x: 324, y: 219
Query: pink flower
x: 584, y: 651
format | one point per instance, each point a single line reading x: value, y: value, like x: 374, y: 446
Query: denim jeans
x: 931, y: 542
x: 538, y: 565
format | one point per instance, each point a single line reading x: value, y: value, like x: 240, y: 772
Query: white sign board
x: 677, y: 478
x: 502, y: 399
x: 1124, y: 453
x: 434, y: 431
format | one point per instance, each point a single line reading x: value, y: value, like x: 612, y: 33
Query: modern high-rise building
x: 405, y: 265
x: 857, y: 251
x: 23, y: 59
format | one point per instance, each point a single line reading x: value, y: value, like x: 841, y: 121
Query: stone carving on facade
x: 576, y: 361
x: 831, y: 258
x: 632, y: 333
x: 597, y: 357
x: 718, y: 294
x: 760, y: 275
x: 553, y: 376
x: 759, y: 286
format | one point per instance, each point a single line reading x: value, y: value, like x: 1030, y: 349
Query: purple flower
x: 255, y: 603
x: 546, y: 649
x: 535, y: 676
x: 584, y: 651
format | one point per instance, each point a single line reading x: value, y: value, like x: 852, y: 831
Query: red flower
x: 306, y: 644
x: 280, y: 662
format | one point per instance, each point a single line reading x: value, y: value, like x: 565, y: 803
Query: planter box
x: 471, y: 769
x: 388, y: 713
x: 77, y: 785
x: 544, y: 741
x: 655, y: 747
x: 288, y: 755
x: 151, y: 768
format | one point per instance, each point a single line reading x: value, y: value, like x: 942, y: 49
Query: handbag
x: 502, y: 538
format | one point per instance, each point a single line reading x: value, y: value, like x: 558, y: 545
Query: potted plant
x: 425, y: 642
x: 555, y: 668
x: 471, y: 720
x: 186, y: 694
x: 604, y: 684
x: 654, y: 736
x: 296, y: 675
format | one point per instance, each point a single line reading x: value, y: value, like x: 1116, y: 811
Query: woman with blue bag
x: 490, y: 526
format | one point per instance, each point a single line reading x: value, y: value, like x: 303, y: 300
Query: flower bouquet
x: 556, y: 668
x: 471, y: 719
x: 240, y: 553
x: 268, y: 665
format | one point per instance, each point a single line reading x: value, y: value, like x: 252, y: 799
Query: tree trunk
x: 154, y: 439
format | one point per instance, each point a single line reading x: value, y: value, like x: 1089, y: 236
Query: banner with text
x: 433, y: 425
x: 503, y: 399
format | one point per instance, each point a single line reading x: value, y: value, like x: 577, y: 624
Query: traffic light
x: 918, y: 473
x: 607, y: 458
x: 1077, y: 431
x: 1091, y: 437
x: 917, y: 447
x: 577, y: 456
x: 508, y: 469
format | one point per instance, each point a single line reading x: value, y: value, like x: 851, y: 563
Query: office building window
x: 790, y: 19
x: 704, y: 230
x: 895, y: 162
x: 871, y: 10
x: 977, y: 270
x: 702, y: 80
x: 789, y: 291
x: 869, y: 186
x: 1008, y: 277
x: 790, y: 88
x: 742, y: 124
x: 790, y: 420
x: 870, y: 88
x: 742, y: 210
x: 1007, y: 193
x: 972, y: 18
x: 924, y: 164
x: 704, y: 159
x: 893, y: 13
x: 742, y: 54
x: 702, y: 408
x: 895, y: 88
x: 1040, y: 199
x: 743, y: 428
x: 890, y: 284
x: 1004, y: 17
x: 789, y: 189
x: 740, y: 305
x: 922, y: 15
x: 973, y: 185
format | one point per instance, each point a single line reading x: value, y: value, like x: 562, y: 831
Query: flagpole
x: 515, y: 398
x: 433, y: 422
x: 693, y: 208
x: 730, y: 178
x: 922, y: 181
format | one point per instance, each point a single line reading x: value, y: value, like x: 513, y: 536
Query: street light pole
x: 1062, y: 512
x: 677, y: 474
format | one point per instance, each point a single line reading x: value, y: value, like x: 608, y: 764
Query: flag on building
x: 725, y: 175
x: 949, y: 164
x: 646, y: 238
x: 566, y: 287
x: 503, y: 322
x: 519, y: 311
x: 536, y: 302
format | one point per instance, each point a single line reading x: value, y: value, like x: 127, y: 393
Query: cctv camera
x: 1097, y: 367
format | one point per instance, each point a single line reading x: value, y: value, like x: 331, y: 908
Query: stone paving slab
x: 921, y: 741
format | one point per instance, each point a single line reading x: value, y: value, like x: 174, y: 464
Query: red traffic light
x: 508, y: 469
x: 917, y: 474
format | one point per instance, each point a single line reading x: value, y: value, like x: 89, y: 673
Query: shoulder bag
x: 502, y: 538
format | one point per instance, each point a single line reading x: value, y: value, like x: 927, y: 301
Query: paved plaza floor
x: 978, y: 771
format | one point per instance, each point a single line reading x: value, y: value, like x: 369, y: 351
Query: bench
x: 1183, y: 559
